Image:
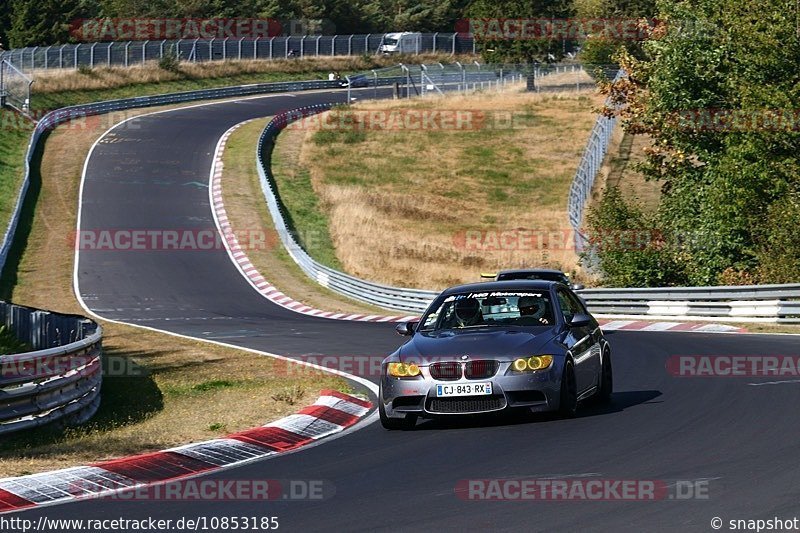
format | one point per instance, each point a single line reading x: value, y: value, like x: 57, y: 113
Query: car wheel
x: 606, y: 379
x: 568, y: 404
x: 407, y: 422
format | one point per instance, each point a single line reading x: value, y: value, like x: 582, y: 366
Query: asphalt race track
x: 741, y: 438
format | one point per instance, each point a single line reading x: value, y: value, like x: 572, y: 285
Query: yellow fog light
x: 403, y: 370
x: 520, y: 365
x: 539, y: 362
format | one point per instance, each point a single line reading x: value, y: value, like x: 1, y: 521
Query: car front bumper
x: 536, y: 391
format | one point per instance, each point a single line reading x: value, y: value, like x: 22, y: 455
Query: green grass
x: 305, y: 214
x: 13, y: 144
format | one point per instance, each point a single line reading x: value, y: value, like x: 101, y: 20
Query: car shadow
x: 619, y: 402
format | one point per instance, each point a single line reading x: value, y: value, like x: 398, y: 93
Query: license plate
x: 464, y: 389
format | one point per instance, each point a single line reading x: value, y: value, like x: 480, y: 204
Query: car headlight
x: 533, y: 363
x: 403, y: 370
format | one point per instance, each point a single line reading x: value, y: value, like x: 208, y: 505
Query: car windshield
x: 490, y: 309
x: 390, y: 42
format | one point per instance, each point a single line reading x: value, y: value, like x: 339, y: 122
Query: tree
x: 711, y: 62
x: 546, y: 47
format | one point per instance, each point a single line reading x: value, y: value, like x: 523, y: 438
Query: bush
x: 628, y: 246
x: 170, y: 61
x: 778, y: 242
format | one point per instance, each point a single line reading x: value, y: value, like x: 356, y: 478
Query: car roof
x: 516, y: 284
x: 531, y: 271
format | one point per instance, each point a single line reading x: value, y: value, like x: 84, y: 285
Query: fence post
x: 144, y: 52
x: 127, y: 47
x: 270, y: 46
x: 454, y: 45
x: 366, y: 43
x: 161, y: 49
x: 91, y: 55
x: 375, y: 81
x: 61, y: 56
x: 240, y: 48
x: 225, y: 49
x: 434, y: 41
x: 333, y: 46
x: 33, y: 57
x: 255, y: 48
x: 108, y: 53
x: 47, y: 56
x: 303, y: 46
x: 350, y: 46
x: 318, y: 38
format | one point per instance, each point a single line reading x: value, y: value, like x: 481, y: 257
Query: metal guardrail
x: 583, y: 182
x: 129, y: 53
x: 60, y: 379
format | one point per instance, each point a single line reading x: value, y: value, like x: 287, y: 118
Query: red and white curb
x: 331, y: 413
x: 643, y: 325
x: 249, y: 271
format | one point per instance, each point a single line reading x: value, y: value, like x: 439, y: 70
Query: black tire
x: 568, y: 404
x: 606, y: 379
x: 407, y: 422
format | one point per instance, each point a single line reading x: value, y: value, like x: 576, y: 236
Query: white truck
x: 407, y: 42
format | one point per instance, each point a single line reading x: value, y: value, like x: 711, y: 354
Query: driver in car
x: 467, y: 313
x: 532, y: 311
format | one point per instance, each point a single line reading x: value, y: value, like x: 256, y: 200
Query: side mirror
x: 406, y: 328
x: 579, y: 320
x: 577, y: 286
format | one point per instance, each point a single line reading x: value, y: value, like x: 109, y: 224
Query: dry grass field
x: 397, y: 197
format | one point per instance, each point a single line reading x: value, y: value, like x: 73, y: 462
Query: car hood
x: 506, y: 344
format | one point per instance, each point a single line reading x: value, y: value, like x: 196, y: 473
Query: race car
x: 523, y: 344
x: 534, y: 273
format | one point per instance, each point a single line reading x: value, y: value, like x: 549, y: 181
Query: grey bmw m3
x: 487, y: 347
